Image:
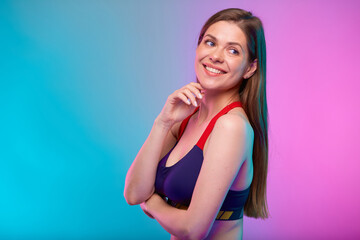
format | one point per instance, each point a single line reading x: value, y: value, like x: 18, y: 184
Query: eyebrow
x: 230, y: 43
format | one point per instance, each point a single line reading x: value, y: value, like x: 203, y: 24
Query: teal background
x: 81, y: 83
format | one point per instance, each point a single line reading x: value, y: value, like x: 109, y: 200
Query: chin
x: 207, y: 82
x: 208, y: 87
x: 201, y: 81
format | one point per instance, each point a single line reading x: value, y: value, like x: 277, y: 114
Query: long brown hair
x: 253, y: 98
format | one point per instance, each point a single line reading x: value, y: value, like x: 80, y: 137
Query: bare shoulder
x: 231, y: 123
x: 235, y: 123
x: 236, y: 118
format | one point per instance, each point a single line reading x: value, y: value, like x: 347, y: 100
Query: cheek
x: 196, y: 55
x: 238, y: 66
x: 197, y: 66
x: 196, y: 63
x: 200, y: 53
x: 199, y: 56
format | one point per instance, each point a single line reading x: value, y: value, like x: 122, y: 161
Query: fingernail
x: 188, y: 101
x: 200, y: 96
x: 195, y: 104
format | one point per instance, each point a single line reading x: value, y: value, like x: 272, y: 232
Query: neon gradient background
x: 82, y: 82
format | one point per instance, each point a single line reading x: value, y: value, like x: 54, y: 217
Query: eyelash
x: 206, y: 41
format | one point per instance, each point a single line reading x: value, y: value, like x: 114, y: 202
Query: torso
x: 220, y: 229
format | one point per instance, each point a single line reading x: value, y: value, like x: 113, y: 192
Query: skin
x: 231, y: 140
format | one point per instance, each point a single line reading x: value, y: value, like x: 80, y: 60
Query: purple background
x: 314, y: 110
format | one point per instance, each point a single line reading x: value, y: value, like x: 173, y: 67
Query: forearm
x: 172, y: 219
x: 139, y: 184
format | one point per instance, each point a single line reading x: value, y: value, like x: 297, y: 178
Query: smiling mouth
x: 213, y: 70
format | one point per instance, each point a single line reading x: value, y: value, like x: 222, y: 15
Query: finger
x: 195, y: 91
x: 183, y: 97
x: 191, y: 96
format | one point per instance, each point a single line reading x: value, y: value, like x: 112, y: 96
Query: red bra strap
x: 211, y: 125
x: 184, y: 123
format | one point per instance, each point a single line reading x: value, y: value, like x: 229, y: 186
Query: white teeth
x: 213, y: 70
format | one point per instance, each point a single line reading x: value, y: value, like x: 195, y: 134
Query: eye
x: 234, y: 51
x: 210, y: 43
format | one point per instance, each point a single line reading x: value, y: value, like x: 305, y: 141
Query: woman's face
x: 220, y: 61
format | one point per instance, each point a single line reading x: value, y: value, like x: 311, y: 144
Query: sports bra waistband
x: 223, y: 215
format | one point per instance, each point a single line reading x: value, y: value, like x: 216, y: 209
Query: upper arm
x: 170, y: 139
x: 223, y: 158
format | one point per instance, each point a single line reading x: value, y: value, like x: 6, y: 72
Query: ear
x: 251, y: 69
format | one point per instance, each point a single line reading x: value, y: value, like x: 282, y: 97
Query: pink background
x: 314, y: 111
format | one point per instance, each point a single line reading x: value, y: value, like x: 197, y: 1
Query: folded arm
x: 140, y: 178
x: 223, y: 158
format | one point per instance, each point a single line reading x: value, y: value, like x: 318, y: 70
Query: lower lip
x: 212, y: 74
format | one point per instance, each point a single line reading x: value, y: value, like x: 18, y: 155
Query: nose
x: 216, y: 56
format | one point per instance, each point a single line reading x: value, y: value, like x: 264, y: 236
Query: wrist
x: 166, y: 125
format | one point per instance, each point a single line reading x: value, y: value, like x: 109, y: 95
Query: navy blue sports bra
x: 176, y: 183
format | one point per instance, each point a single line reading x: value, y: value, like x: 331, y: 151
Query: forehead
x: 225, y: 31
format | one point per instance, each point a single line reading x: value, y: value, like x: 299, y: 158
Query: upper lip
x: 212, y: 66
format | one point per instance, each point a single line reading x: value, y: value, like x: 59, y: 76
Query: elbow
x: 197, y: 236
x: 130, y: 200
x: 133, y: 198
x: 195, y: 233
x: 194, y: 236
x: 190, y: 229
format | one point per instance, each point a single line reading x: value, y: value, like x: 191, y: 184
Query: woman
x: 204, y: 163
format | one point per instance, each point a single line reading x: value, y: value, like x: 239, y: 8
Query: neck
x: 212, y: 103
